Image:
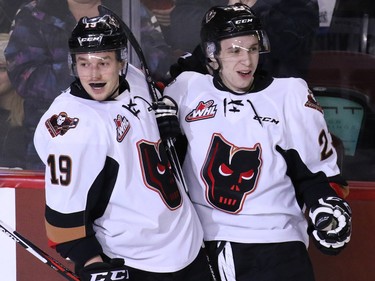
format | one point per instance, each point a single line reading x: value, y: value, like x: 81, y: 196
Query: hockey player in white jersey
x: 258, y: 153
x: 112, y: 204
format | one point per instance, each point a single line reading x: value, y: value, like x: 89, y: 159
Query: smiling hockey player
x: 258, y: 153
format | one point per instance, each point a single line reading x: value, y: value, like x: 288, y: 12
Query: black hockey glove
x: 166, y: 117
x: 331, y: 225
x: 105, y: 271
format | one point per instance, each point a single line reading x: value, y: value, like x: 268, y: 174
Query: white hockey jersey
x: 239, y: 147
x: 106, y: 168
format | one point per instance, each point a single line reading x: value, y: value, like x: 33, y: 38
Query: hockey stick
x: 171, y: 150
x: 151, y: 87
x: 38, y: 253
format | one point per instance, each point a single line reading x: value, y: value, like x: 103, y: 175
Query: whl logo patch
x: 204, y: 110
x: 122, y: 127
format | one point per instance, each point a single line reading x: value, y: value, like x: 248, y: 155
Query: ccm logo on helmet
x: 243, y: 21
x: 110, y: 276
x: 90, y: 39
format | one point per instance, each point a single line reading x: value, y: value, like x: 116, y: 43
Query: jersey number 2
x: 64, y: 169
x: 323, y: 140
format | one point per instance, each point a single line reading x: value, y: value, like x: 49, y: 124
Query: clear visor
x: 235, y: 47
x: 98, y: 63
x: 238, y: 51
x: 242, y: 47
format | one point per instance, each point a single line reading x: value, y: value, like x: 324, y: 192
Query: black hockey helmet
x: 222, y: 22
x: 97, y: 34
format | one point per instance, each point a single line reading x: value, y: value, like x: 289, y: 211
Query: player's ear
x: 214, y: 65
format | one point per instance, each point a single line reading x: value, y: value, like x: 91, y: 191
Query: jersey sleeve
x: 74, y: 153
x: 311, y: 157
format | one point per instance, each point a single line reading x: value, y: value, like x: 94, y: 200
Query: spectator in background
x: 7, y: 11
x: 185, y: 20
x: 37, y: 56
x: 161, y: 10
x: 158, y: 53
x: 12, y: 132
x: 290, y: 24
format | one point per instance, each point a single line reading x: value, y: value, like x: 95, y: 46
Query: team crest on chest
x: 122, y: 127
x: 157, y: 173
x: 230, y: 173
x: 60, y: 123
x: 204, y: 110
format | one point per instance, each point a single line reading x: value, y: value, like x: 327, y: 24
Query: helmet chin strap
x: 113, y: 95
x: 121, y: 81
